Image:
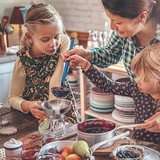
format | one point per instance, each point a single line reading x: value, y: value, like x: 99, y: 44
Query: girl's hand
x: 42, y: 119
x: 36, y: 109
x: 152, y: 124
x: 86, y: 54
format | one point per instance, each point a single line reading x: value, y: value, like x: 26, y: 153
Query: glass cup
x: 50, y: 137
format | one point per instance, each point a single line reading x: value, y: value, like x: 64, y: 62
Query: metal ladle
x: 128, y: 126
x: 96, y: 146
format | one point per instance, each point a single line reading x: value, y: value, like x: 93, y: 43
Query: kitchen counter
x: 7, y: 62
x: 5, y: 58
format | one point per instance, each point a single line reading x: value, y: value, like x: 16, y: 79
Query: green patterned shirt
x: 118, y: 47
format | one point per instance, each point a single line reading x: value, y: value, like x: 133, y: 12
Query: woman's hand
x: 81, y: 52
x: 152, y: 124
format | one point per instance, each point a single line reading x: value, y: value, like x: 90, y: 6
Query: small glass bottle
x: 105, y: 38
x: 90, y: 40
x: 95, y: 39
x: 100, y: 39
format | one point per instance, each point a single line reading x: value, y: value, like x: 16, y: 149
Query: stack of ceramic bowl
x: 124, y: 109
x: 101, y: 102
x: 73, y: 78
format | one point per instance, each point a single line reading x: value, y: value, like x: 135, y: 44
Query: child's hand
x: 152, y: 124
x: 78, y: 51
x: 36, y: 109
x: 76, y: 60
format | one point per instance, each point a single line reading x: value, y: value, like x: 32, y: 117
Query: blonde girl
x: 38, y: 66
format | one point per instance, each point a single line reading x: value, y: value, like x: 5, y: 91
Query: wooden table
x: 27, y: 124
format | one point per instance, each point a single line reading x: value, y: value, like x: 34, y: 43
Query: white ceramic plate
x: 151, y: 154
x: 102, y: 110
x: 124, y: 104
x: 103, y: 104
x: 97, y: 91
x: 106, y: 99
x: 73, y: 84
x: 123, y: 98
x: 9, y: 130
x: 124, y: 114
x: 102, y: 97
x: 122, y: 118
x: 124, y: 108
x: 73, y: 80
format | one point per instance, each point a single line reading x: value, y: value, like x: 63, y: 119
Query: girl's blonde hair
x: 146, y: 64
x: 37, y: 16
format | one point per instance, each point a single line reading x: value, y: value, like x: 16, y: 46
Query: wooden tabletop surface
x: 26, y: 124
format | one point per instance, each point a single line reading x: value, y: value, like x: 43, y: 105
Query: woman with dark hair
x: 135, y: 25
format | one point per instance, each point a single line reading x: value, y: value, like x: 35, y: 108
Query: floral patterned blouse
x: 145, y: 105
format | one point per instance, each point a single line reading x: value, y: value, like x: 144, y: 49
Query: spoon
x: 4, y: 22
x: 96, y: 146
x: 1, y: 106
x: 67, y: 64
x: 128, y: 126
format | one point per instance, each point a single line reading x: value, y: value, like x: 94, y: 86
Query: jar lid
x: 43, y: 126
x: 12, y: 144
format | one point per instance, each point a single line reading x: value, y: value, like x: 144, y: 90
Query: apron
x: 39, y: 72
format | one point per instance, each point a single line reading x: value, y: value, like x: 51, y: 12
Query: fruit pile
x: 126, y: 154
x: 79, y: 151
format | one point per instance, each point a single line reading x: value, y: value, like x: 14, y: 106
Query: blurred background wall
x: 78, y: 15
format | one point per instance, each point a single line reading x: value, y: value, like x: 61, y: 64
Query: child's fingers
x: 150, y: 126
x: 63, y: 56
x: 144, y: 125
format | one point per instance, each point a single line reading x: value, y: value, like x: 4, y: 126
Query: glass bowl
x: 128, y: 152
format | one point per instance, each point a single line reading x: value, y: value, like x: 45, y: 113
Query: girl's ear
x: 29, y: 37
x: 143, y: 17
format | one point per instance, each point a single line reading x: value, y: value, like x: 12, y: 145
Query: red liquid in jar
x: 48, y: 140
x: 29, y: 155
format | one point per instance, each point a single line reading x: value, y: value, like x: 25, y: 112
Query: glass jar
x: 29, y: 154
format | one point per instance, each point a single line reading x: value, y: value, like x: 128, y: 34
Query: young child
x: 39, y: 67
x: 145, y: 91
